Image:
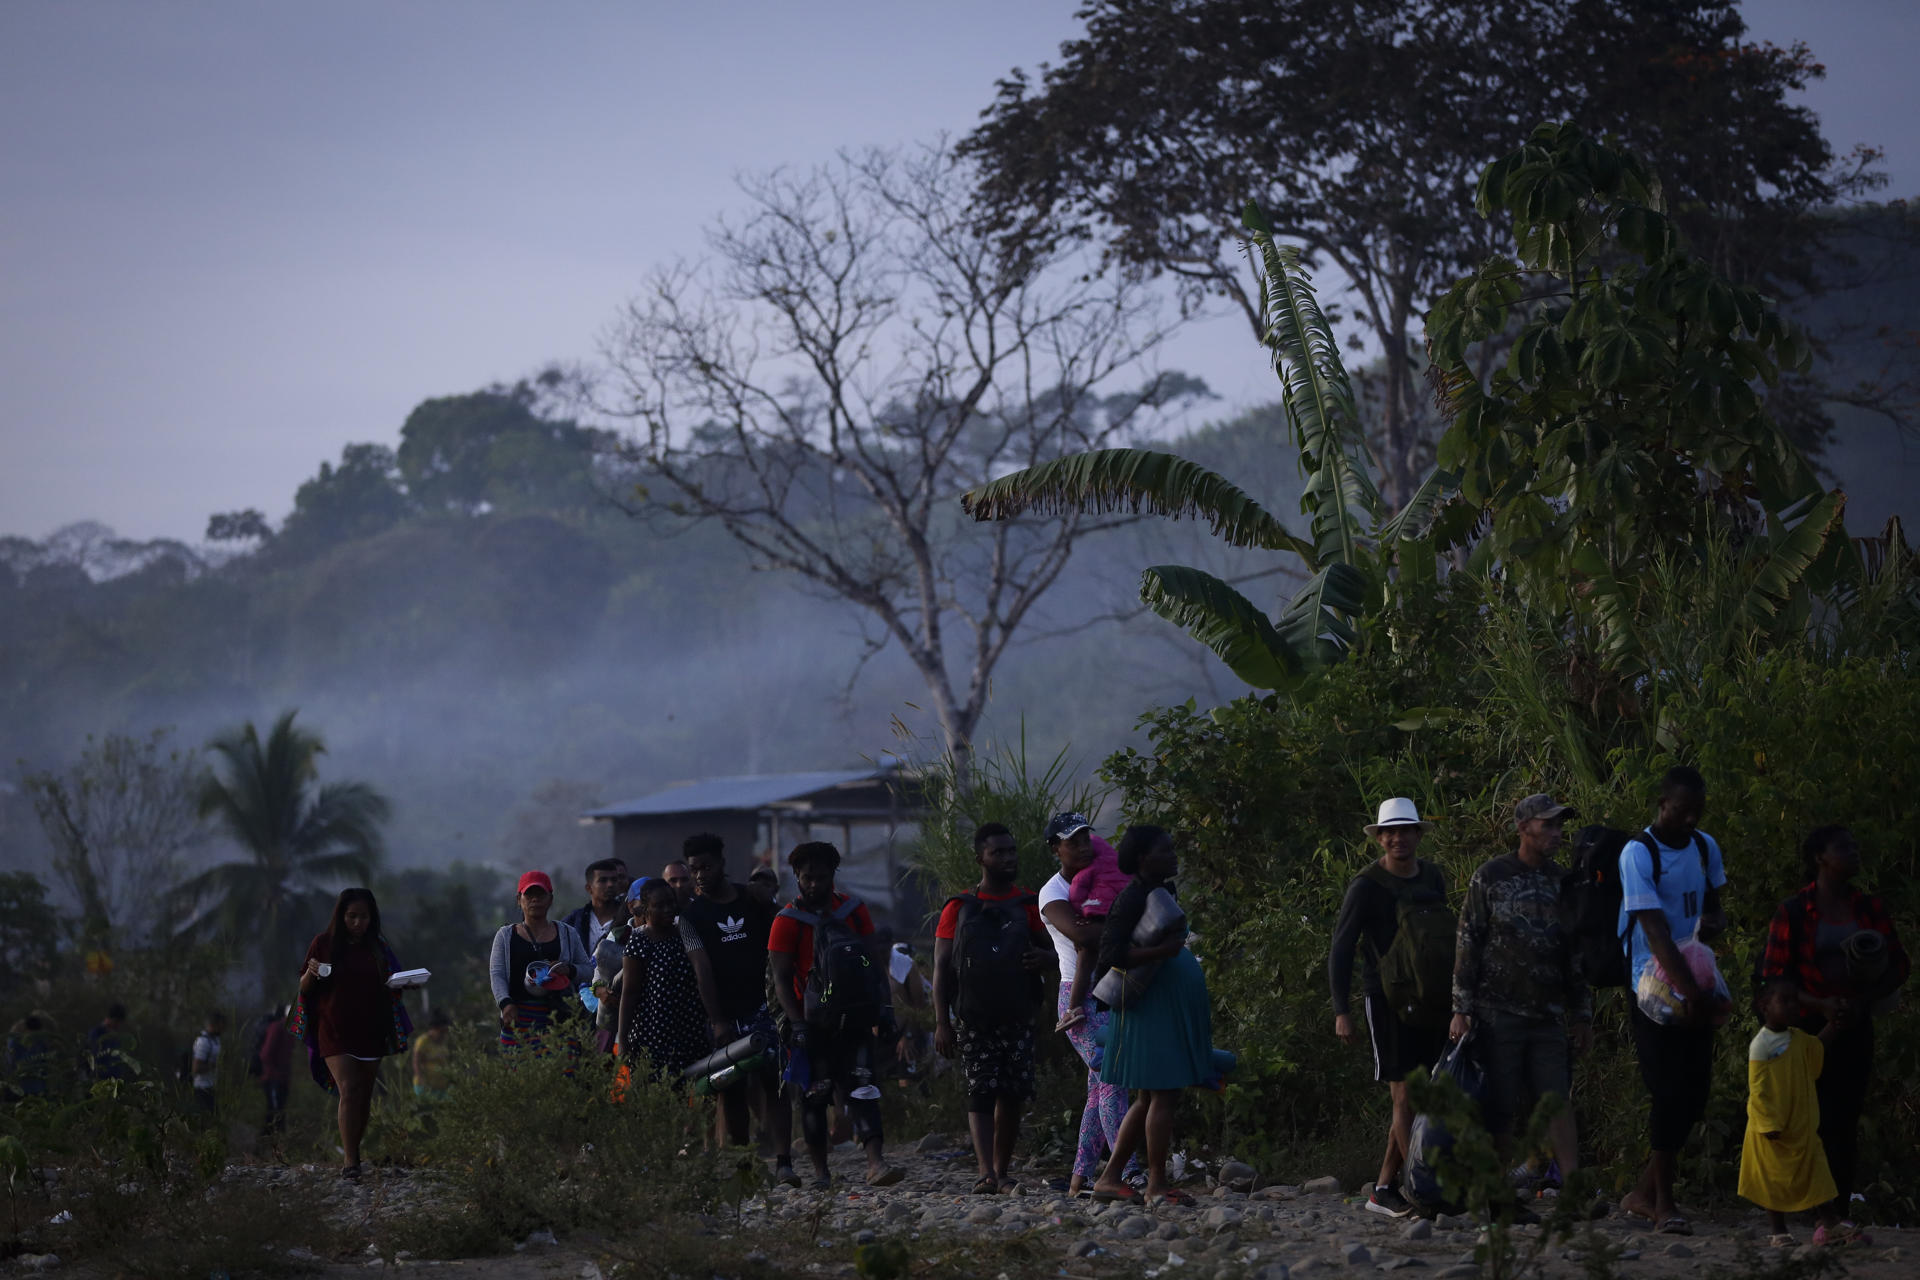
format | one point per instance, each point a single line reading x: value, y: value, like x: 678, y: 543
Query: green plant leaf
x: 1218, y: 616
x: 1160, y: 484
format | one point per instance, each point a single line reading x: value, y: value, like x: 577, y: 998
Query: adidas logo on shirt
x: 733, y: 929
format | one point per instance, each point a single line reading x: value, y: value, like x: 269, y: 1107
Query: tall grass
x: 1003, y: 785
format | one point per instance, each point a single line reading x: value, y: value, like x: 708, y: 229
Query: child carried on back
x: 1091, y: 895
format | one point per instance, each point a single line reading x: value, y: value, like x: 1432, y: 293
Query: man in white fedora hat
x: 1396, y: 912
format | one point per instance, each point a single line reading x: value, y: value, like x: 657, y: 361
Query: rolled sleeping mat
x: 727, y: 1076
x: 739, y: 1051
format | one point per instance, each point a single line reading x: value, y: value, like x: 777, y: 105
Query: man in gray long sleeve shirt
x: 1517, y: 981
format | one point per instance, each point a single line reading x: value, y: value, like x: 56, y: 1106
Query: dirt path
x: 1273, y: 1234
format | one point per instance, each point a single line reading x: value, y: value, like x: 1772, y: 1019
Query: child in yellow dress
x: 1783, y: 1167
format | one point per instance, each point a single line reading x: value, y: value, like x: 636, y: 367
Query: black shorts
x: 997, y: 1062
x: 1397, y: 1047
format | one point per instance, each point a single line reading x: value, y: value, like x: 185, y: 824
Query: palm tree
x: 302, y: 842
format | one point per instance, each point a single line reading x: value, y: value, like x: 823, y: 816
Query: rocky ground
x: 1272, y: 1233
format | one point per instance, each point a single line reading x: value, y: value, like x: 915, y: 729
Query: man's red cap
x: 536, y: 879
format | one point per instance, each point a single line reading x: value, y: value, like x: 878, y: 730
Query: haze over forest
x: 498, y: 644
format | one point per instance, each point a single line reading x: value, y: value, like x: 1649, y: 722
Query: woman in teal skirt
x: 1162, y: 1040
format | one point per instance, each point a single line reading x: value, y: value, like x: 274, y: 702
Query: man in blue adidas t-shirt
x: 1662, y: 904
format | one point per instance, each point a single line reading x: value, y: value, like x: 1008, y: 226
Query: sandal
x: 1675, y: 1226
x: 887, y: 1176
x: 785, y: 1175
x: 1784, y: 1240
x: 1073, y: 1018
x: 1125, y: 1195
x: 351, y: 1172
x: 1173, y: 1197
x: 986, y: 1185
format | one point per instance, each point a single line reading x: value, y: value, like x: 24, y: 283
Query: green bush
x: 552, y: 1142
x: 1467, y: 703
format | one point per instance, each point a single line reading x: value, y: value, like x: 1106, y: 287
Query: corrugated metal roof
x: 750, y: 791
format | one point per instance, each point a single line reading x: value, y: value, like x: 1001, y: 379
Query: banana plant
x: 1346, y: 519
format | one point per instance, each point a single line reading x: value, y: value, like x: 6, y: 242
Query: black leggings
x: 1842, y: 1090
x: 839, y: 1064
x: 1676, y: 1065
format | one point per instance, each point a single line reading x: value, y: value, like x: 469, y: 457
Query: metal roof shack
x: 868, y: 813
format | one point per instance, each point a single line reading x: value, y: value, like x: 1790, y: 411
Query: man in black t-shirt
x: 725, y: 931
x: 1368, y: 924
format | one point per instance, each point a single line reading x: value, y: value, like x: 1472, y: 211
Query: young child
x: 432, y: 1050
x: 1091, y: 895
x: 1783, y: 1167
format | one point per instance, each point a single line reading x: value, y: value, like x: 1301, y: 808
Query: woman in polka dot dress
x: 661, y: 1016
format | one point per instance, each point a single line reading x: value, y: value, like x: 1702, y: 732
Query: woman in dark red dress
x: 352, y: 1019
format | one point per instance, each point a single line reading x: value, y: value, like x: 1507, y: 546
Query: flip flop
x: 886, y: 1177
x: 1171, y: 1197
x: 987, y: 1185
x: 1675, y: 1226
x: 1126, y: 1195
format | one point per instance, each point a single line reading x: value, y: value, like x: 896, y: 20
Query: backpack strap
x: 1647, y: 838
x: 847, y: 908
x: 792, y: 912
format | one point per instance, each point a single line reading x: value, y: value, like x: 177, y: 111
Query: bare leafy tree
x: 851, y: 357
x: 123, y: 821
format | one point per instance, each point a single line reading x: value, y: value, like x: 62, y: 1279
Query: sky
x: 235, y: 237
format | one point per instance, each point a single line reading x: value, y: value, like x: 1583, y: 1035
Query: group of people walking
x: 1513, y: 974
x: 692, y: 976
x: 777, y: 1009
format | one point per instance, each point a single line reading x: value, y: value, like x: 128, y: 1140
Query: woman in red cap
x: 535, y: 966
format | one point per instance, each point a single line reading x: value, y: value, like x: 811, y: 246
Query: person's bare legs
x: 980, y: 1128
x: 1133, y: 1128
x: 1161, y: 1105
x: 1652, y: 1195
x: 354, y: 1079
x: 1399, y: 1135
x: 1565, y: 1139
x: 1006, y: 1132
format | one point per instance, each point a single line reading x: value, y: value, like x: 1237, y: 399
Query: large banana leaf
x: 1315, y: 621
x: 1135, y: 480
x: 1621, y: 646
x: 1416, y: 518
x: 1797, y: 537
x: 1225, y: 621
x: 1339, y: 495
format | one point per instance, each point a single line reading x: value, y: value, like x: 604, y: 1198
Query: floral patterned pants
x: 1106, y: 1103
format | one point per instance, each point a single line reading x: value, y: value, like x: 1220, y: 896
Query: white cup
x: 326, y: 970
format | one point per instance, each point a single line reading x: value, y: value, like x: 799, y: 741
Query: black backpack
x: 1416, y: 970
x: 990, y: 942
x: 845, y: 988
x: 1590, y: 899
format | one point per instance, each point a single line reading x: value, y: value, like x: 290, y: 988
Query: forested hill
x: 476, y: 628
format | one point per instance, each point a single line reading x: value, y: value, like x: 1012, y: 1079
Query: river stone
x: 1356, y: 1255
x: 1169, y: 1231
x: 984, y: 1215
x: 1238, y: 1176
x: 1418, y: 1229
x: 1135, y: 1227
x: 1222, y: 1216
x: 1327, y: 1186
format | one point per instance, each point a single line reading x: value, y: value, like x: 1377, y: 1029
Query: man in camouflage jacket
x: 1516, y: 980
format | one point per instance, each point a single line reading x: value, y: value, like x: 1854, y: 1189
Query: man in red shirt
x: 989, y: 952
x: 833, y: 993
